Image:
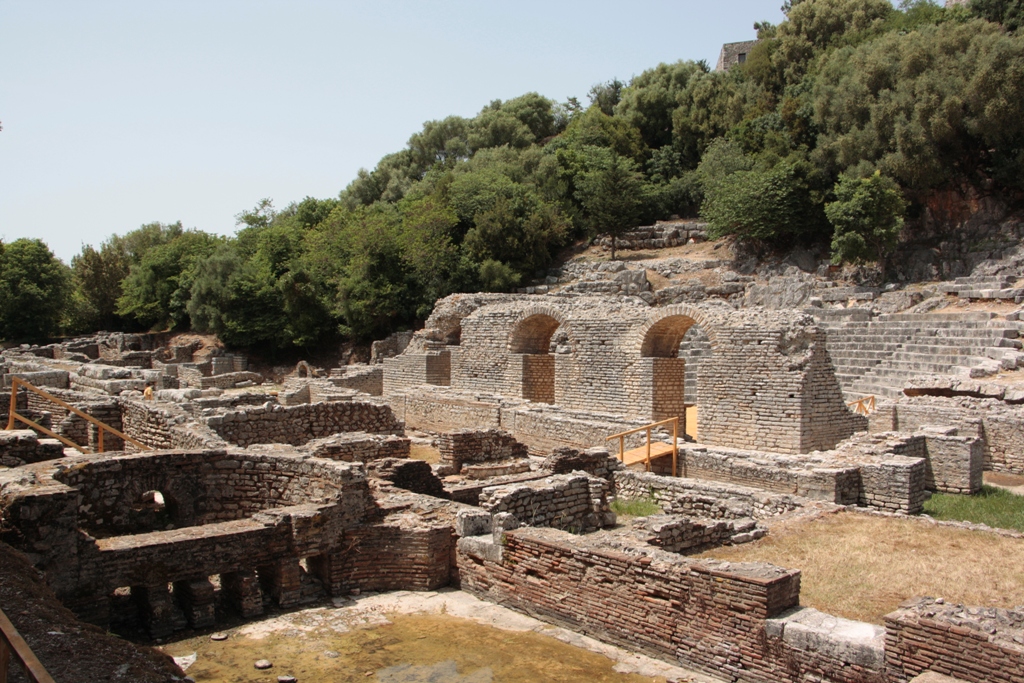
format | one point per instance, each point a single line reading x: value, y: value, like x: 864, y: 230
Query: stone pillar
x: 156, y: 609
x: 283, y: 581
x: 197, y: 600
x: 243, y: 592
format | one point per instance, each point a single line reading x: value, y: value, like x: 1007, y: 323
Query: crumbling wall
x: 368, y: 379
x: 573, y: 502
x: 1000, y: 426
x: 298, y: 424
x: 22, y: 446
x: 696, y: 498
x: 971, y: 644
x: 359, y: 447
x: 475, y: 446
x: 165, y: 425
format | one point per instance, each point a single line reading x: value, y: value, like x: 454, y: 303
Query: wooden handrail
x: 863, y: 406
x: 14, y: 416
x: 12, y: 642
x: 675, y: 441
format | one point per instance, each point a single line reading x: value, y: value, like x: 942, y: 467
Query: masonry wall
x: 164, y: 425
x: 298, y: 424
x: 201, y: 487
x: 562, y: 501
x: 441, y: 411
x: 1000, y: 426
x: 980, y: 644
x: 698, y: 498
x: 475, y: 446
x: 391, y: 555
x: 413, y: 369
x: 699, y: 613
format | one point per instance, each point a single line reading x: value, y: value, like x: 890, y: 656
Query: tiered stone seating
x: 878, y: 356
x: 1001, y: 287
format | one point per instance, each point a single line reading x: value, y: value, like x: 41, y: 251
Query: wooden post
x: 14, y: 408
x: 675, y: 445
x: 648, y: 449
x: 99, y: 441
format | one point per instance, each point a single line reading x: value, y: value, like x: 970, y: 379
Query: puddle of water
x: 410, y: 648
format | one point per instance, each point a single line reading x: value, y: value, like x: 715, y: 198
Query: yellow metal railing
x: 863, y: 406
x: 102, y: 427
x: 11, y: 643
x: 646, y: 449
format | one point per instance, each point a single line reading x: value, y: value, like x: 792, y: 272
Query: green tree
x: 613, y: 196
x: 1009, y: 13
x: 867, y: 217
x: 35, y: 290
x: 157, y: 289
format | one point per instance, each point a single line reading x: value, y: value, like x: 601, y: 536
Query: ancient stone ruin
x: 244, y: 499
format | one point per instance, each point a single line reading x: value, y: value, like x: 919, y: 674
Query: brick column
x: 197, y: 601
x: 156, y: 609
x: 243, y: 592
x: 283, y: 581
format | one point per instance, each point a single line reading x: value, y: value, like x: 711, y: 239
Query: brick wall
x: 971, y: 644
x: 474, y: 446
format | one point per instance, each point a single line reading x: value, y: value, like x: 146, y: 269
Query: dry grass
x: 419, y: 451
x: 861, y: 567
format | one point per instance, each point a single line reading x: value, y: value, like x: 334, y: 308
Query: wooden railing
x: 102, y: 427
x: 863, y: 406
x: 645, y: 452
x: 11, y: 643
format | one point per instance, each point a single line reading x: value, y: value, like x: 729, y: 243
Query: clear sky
x: 119, y: 113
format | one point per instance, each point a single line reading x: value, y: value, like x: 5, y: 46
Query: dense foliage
x: 842, y: 119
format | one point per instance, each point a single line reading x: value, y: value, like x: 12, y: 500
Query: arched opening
x: 454, y: 336
x: 672, y: 344
x: 531, y: 342
x: 153, y: 511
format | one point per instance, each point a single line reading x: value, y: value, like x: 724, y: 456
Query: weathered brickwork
x: 368, y: 379
x: 700, y: 613
x: 998, y: 425
x: 971, y: 644
x: 573, y: 502
x: 295, y: 425
x: 698, y: 498
x: 767, y: 382
x: 476, y: 446
x: 685, y: 534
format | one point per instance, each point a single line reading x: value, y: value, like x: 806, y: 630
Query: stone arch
x: 661, y: 334
x: 529, y: 347
x: 533, y: 331
x: 664, y: 372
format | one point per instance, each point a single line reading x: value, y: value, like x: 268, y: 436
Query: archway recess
x: 530, y: 342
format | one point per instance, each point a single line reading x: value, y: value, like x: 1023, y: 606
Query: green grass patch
x: 637, y: 507
x: 992, y: 506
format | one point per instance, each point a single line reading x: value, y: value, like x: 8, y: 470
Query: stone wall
x: 412, y: 369
x: 896, y: 484
x: 767, y: 382
x: 298, y: 424
x: 165, y: 425
x: 22, y: 446
x: 368, y: 379
x: 684, y: 534
x: 475, y: 446
x: 442, y: 411
x: 972, y: 644
x: 572, y: 502
x: 1000, y: 426
x: 358, y: 447
x: 698, y: 498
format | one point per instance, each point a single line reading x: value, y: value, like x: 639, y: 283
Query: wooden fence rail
x: 12, y: 644
x: 649, y: 450
x: 15, y: 417
x: 863, y: 406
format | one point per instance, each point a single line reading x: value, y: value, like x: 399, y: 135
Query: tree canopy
x: 844, y: 118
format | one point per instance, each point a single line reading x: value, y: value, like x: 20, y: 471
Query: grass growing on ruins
x: 992, y: 506
x: 861, y: 566
x: 424, y: 452
x: 637, y: 507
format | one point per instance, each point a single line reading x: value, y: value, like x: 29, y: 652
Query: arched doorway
x: 667, y: 346
x: 530, y: 346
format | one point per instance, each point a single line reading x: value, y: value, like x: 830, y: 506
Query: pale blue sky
x: 116, y: 114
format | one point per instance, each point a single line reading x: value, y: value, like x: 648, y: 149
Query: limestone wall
x: 358, y: 447
x: 22, y: 446
x: 573, y: 502
x: 698, y: 498
x: 298, y: 424
x: 475, y: 446
x: 998, y: 425
x: 767, y: 382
